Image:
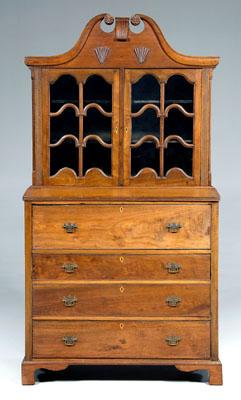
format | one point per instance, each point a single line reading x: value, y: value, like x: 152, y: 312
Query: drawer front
x: 121, y: 266
x: 125, y: 339
x: 143, y: 300
x: 121, y: 227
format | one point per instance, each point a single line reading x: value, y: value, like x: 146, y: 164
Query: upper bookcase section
x: 109, y: 42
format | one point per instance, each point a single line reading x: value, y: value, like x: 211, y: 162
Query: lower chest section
x: 121, y: 280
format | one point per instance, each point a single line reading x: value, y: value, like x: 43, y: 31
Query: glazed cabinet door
x: 162, y: 127
x: 80, y: 127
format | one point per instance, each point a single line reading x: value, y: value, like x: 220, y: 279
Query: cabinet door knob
x: 70, y: 268
x: 173, y: 301
x: 172, y: 340
x: 173, y: 268
x: 173, y: 227
x: 69, y: 340
x: 69, y: 227
x: 69, y: 301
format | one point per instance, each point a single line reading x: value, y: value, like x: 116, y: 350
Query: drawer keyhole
x: 122, y: 289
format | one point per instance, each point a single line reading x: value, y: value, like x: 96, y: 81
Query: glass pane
x: 64, y: 155
x: 178, y: 156
x: 178, y: 124
x: 96, y: 156
x: 144, y: 91
x: 146, y: 155
x: 179, y: 90
x: 64, y: 124
x: 64, y: 90
x: 96, y: 123
x: 97, y: 90
x: 146, y: 124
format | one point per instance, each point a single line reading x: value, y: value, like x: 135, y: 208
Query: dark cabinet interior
x: 81, y: 124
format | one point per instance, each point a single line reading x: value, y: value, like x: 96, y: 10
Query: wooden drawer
x: 138, y: 226
x: 125, y: 339
x: 121, y: 266
x: 143, y: 300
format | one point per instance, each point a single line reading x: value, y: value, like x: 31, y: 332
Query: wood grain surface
x: 126, y: 339
x: 118, y: 299
x: 121, y: 266
x: 128, y: 226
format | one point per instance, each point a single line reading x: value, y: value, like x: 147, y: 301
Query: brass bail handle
x: 173, y: 301
x: 70, y: 227
x: 172, y: 340
x: 173, y: 268
x: 69, y: 301
x: 70, y: 268
x: 69, y: 340
x: 173, y: 227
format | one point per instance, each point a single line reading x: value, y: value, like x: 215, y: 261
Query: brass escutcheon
x: 69, y: 268
x: 69, y: 340
x: 69, y: 301
x: 121, y: 325
x: 121, y: 210
x: 173, y: 268
x: 69, y: 227
x: 173, y: 227
x: 122, y: 289
x: 172, y: 340
x: 121, y: 259
x: 173, y: 301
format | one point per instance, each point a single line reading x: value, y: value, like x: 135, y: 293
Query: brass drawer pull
x: 173, y: 301
x: 172, y: 340
x: 173, y: 227
x: 69, y: 227
x: 173, y: 268
x: 69, y: 301
x: 70, y: 268
x: 69, y: 340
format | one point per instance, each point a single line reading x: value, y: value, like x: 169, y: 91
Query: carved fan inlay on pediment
x: 101, y: 53
x: 141, y: 53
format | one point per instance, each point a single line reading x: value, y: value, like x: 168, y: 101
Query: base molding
x: 30, y: 366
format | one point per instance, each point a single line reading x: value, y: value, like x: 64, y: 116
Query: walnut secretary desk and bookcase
x: 121, y: 222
